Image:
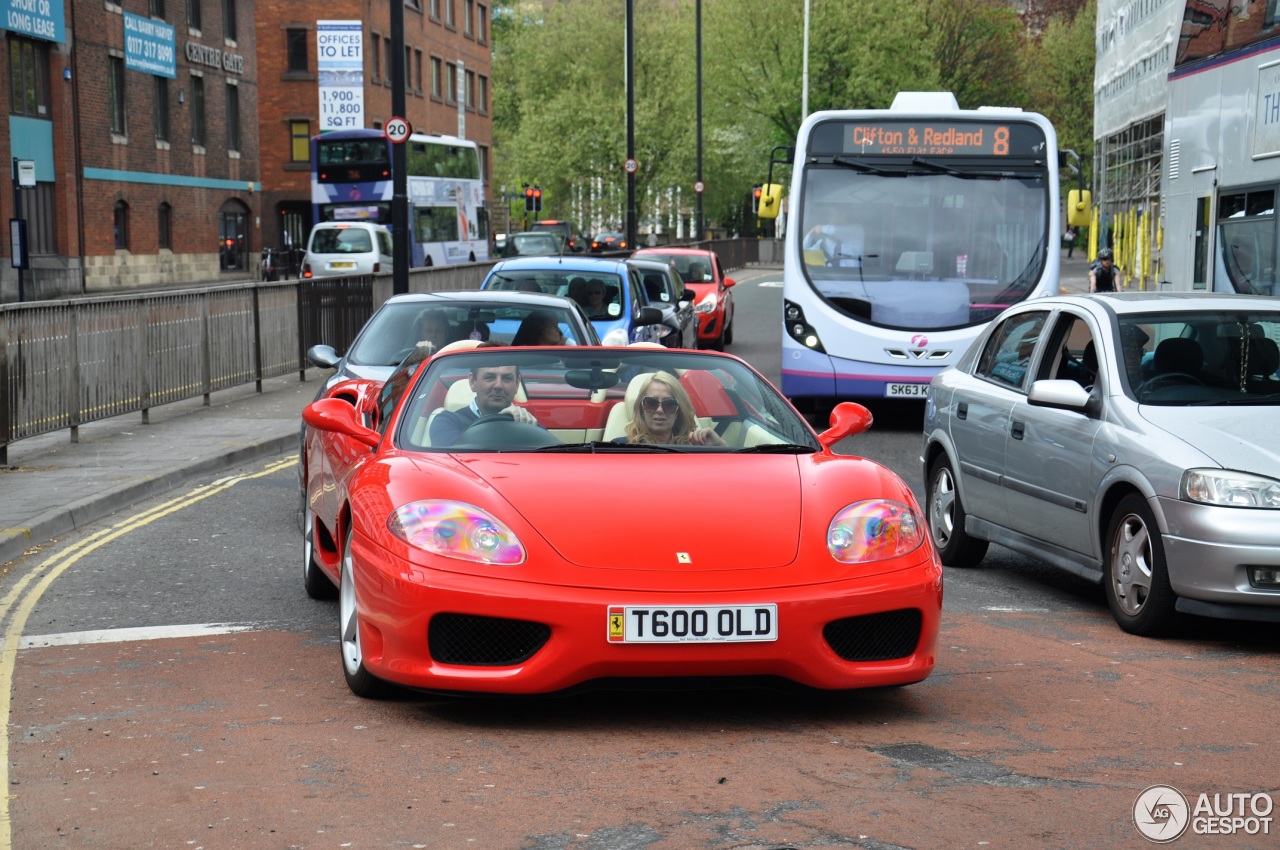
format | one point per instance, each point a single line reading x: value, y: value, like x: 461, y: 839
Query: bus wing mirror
x: 1079, y: 207
x: 770, y: 200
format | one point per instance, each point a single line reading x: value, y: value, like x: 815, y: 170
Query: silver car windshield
x: 1203, y: 358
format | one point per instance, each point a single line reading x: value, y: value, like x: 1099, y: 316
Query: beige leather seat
x: 620, y: 414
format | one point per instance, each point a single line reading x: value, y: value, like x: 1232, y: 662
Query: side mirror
x: 688, y: 295
x: 1079, y: 208
x: 339, y: 417
x: 323, y: 356
x: 848, y: 418
x: 729, y: 282
x: 649, y: 316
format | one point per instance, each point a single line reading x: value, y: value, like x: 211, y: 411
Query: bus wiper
x: 858, y: 165
x: 593, y: 446
x: 942, y: 168
x: 777, y: 449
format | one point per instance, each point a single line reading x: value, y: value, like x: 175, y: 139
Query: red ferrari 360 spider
x: 530, y: 520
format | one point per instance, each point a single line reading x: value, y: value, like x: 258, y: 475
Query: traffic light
x: 528, y: 198
x: 537, y: 199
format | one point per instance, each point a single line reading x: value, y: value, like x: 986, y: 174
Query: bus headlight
x: 798, y: 329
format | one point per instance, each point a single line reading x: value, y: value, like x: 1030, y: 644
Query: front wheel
x: 947, y: 517
x: 361, y: 682
x: 1136, y: 573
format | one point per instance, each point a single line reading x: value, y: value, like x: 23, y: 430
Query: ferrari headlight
x: 617, y: 336
x: 874, y: 530
x: 707, y: 304
x: 1230, y: 489
x: 456, y: 530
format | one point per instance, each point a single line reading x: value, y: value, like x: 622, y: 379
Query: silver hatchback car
x: 1130, y: 438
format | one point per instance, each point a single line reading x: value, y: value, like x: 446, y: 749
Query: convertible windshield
x: 1202, y: 358
x: 923, y: 242
x: 620, y: 401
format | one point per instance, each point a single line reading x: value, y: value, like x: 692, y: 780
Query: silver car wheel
x: 942, y: 507
x: 1131, y: 573
x: 349, y: 625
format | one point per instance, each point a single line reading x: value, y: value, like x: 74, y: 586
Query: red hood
x: 641, y: 511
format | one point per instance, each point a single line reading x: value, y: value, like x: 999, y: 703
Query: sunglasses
x: 651, y: 404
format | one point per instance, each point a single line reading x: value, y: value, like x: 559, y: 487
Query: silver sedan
x: 1130, y: 438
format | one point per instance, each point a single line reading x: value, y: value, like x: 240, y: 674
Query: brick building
x: 441, y: 37
x: 167, y: 141
x: 141, y: 120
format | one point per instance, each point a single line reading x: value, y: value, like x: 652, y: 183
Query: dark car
x: 530, y: 244
x: 609, y: 242
x: 567, y: 230
x: 667, y: 292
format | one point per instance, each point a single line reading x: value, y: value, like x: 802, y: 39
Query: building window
x: 161, y: 110
x: 28, y: 78
x: 417, y: 71
x: 437, y: 83
x: 471, y: 90
x: 300, y: 141
x: 155, y: 8
x: 484, y: 163
x: 451, y: 82
x: 386, y: 51
x: 448, y: 14
x: 233, y: 117
x: 229, y: 19
x: 296, y: 50
x: 197, y: 111
x: 468, y: 12
x: 408, y: 69
x: 482, y: 96
x: 233, y: 227
x: 193, y: 15
x: 120, y: 222
x: 115, y: 93
x: 482, y: 23
x: 375, y: 57
x: 40, y: 211
x: 434, y: 9
x: 163, y: 226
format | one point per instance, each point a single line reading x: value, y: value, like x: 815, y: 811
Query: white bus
x: 351, y: 181
x: 911, y: 228
x: 1222, y: 154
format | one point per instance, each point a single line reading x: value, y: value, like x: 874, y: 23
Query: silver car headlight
x: 1229, y: 489
x: 707, y: 304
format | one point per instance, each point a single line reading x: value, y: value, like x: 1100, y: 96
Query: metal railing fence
x: 69, y: 362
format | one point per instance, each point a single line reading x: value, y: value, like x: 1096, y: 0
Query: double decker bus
x: 1222, y: 149
x: 351, y: 180
x: 910, y: 229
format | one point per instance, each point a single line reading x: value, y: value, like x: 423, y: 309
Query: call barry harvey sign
x: 35, y: 18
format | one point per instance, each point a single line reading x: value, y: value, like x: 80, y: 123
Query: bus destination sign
x: 929, y: 138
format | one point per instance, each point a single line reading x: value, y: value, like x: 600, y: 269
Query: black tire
x: 1135, y: 573
x: 315, y: 580
x: 361, y: 682
x: 728, y: 332
x: 946, y: 518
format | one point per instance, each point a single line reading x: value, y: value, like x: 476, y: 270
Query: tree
x: 1059, y: 71
x: 976, y: 47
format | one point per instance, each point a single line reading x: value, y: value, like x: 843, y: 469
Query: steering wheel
x: 491, y: 417
x: 1167, y: 377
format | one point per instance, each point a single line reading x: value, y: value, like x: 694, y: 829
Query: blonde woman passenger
x: 663, y: 413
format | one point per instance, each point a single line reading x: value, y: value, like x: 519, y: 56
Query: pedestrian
x: 1104, y: 277
x: 1070, y: 238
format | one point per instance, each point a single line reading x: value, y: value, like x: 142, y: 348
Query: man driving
x: 493, y: 388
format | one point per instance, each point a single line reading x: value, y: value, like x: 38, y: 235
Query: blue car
x: 609, y: 291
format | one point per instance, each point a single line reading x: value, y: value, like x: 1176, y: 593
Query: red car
x: 503, y: 527
x: 704, y: 274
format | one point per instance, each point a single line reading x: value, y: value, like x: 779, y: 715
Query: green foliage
x: 559, y: 95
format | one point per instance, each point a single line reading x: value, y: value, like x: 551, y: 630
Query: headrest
x: 1179, y: 354
x: 459, y: 345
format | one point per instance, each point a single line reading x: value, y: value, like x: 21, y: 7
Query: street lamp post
x: 698, y: 54
x: 399, y: 160
x: 631, y: 123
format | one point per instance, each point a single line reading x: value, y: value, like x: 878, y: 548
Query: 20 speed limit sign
x: 397, y: 130
x: 630, y: 166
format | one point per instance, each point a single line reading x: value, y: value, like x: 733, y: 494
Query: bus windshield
x: 907, y: 244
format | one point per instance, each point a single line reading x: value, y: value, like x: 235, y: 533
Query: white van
x: 347, y: 247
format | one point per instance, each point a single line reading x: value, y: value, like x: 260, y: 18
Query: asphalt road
x: 222, y: 719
